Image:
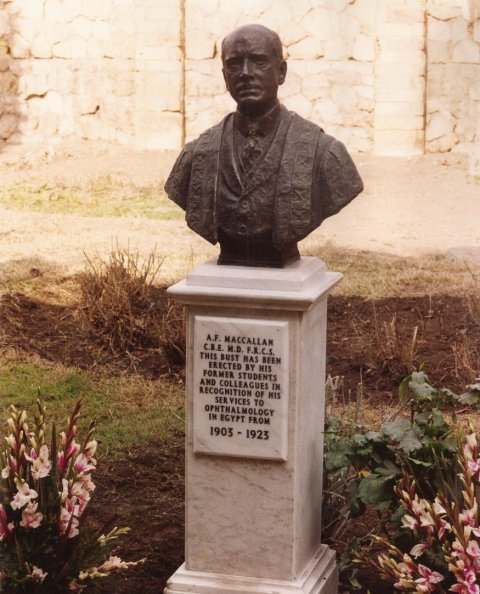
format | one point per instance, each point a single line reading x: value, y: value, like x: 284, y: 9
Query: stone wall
x: 92, y: 68
x: 8, y: 81
x: 390, y: 76
x: 453, y: 90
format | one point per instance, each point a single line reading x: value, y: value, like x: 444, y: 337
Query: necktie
x: 252, y: 150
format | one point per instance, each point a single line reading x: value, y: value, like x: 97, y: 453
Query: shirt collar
x: 262, y: 125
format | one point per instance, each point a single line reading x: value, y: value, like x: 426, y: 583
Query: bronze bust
x: 264, y: 177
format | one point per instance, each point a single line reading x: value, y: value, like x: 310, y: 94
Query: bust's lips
x: 248, y: 90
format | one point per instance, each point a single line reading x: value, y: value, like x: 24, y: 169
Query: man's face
x: 252, y: 71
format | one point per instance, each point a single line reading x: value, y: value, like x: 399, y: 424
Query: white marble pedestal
x: 254, y: 446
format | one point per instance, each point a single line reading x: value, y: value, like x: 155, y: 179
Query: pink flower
x: 410, y: 522
x: 83, y: 496
x: 23, y: 496
x: 473, y: 550
x: 69, y: 515
x: 6, y: 527
x: 64, y: 457
x: 90, y: 449
x: 88, y: 484
x: 83, y: 464
x: 418, y: 505
x: 474, y: 467
x: 467, y: 585
x: 438, y: 507
x: 418, y: 550
x: 41, y: 464
x: 427, y: 521
x: 429, y: 578
x: 30, y: 517
x: 442, y: 526
x: 470, y: 447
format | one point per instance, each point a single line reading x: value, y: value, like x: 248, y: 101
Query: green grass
x: 129, y: 412
x: 101, y: 197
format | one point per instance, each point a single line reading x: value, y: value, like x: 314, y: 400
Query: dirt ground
x: 410, y: 207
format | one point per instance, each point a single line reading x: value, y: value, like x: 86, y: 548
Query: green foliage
x: 374, y: 460
x: 362, y: 469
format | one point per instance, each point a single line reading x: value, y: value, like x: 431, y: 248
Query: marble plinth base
x: 320, y: 577
x: 255, y: 398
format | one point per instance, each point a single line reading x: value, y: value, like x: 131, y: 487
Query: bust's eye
x: 234, y: 64
x: 259, y: 60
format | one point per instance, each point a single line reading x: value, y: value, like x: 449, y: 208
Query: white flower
x: 30, y: 517
x: 23, y: 496
x: 38, y: 574
x: 90, y: 449
x: 41, y: 464
x: 114, y: 562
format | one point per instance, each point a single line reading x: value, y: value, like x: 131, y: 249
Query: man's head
x: 253, y: 68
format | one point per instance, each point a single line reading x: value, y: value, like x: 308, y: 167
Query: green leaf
x: 410, y: 442
x: 420, y: 462
x: 338, y: 456
x: 389, y: 469
x: 374, y: 489
x: 355, y: 505
x: 395, y: 430
x: 471, y: 397
x: 432, y: 422
x: 403, y: 389
x: 447, y: 394
x: 421, y: 387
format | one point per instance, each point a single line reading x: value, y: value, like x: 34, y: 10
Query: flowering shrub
x: 445, y: 531
x: 45, y: 545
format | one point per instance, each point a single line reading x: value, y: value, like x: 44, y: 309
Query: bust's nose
x: 247, y: 67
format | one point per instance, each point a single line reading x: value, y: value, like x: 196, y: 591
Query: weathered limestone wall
x: 90, y: 68
x: 399, y: 124
x: 390, y: 76
x: 8, y: 81
x: 453, y: 89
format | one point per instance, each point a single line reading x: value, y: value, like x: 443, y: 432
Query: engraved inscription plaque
x: 240, y: 387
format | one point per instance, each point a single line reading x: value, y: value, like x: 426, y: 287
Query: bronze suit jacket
x: 314, y: 178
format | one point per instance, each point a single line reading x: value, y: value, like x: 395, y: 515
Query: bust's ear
x: 282, y: 72
x: 225, y: 78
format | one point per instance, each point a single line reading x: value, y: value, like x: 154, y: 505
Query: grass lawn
x: 101, y: 197
x: 129, y: 411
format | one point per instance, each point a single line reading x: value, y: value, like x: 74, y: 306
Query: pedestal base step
x: 320, y: 577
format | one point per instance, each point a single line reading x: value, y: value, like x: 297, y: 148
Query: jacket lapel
x: 201, y: 212
x: 293, y: 201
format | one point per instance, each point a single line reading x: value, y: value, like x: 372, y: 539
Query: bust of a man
x: 263, y: 178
